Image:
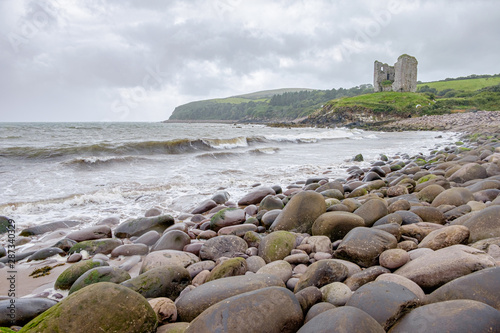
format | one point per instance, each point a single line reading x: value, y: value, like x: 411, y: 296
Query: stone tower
x: 402, y: 77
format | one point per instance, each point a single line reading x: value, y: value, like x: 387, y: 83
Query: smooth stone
x: 207, y: 234
x: 254, y: 263
x: 276, y: 246
x: 66, y: 279
x: 130, y: 263
x: 103, y: 245
x: 364, y: 245
x: 65, y: 244
x: 164, y: 281
x: 336, y: 225
x: 271, y: 202
x: 139, y: 226
x: 168, y: 258
x: 319, y: 243
x: 272, y: 309
x: 414, y: 254
x: 237, y: 230
x: 355, y: 281
x: 25, y: 310
x: 318, y: 308
x: 227, y: 268
x: 437, y: 268
x: 336, y: 293
x: 485, y: 224
x: 75, y: 257
x: 455, y: 196
x: 447, y: 236
x: 408, y: 217
x: 393, y: 258
x: 388, y: 219
x: 227, y: 217
x: 429, y: 214
x: 196, y: 268
x: 190, y: 305
x: 482, y: 286
x: 47, y: 227
x: 256, y: 196
x: 419, y: 230
x: 130, y: 250
x: 96, y: 232
x: 200, y: 278
x: 407, y: 245
x: 300, y: 212
x: 107, y: 306
x: 468, y: 172
x: 333, y: 185
x: 450, y: 316
x: 99, y: 274
x: 400, y: 204
x: 149, y: 238
x: 46, y: 253
x: 322, y: 255
x: 391, y: 228
x: 205, y: 206
x: 269, y: 217
x: 352, y: 268
x: 222, y: 246
x: 407, y: 283
x: 371, y: 211
x: 307, y: 297
x: 385, y: 301
x: 279, y: 268
x: 172, y: 240
x: 221, y: 197
x: 165, y: 309
x: 299, y: 258
x: 430, y: 192
x: 322, y: 273
x: 345, y: 319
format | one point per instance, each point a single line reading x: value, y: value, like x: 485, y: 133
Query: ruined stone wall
x: 382, y: 72
x: 403, y: 75
x: 405, y: 79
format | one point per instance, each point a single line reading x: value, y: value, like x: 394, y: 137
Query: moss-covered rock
x: 230, y: 267
x: 100, y: 274
x: 72, y: 273
x: 104, y: 246
x: 227, y: 217
x: 164, y: 281
x: 103, y: 306
x: 276, y: 246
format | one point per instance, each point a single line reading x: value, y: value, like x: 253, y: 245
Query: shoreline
x: 481, y: 131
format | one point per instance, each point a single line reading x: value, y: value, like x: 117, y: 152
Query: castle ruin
x: 402, y: 77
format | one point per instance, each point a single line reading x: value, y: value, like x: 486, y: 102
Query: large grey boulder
x: 336, y: 224
x: 300, y: 212
x: 272, y: 309
x: 190, y: 305
x: 345, y: 319
x: 139, y: 226
x: 439, y: 267
x: 168, y: 258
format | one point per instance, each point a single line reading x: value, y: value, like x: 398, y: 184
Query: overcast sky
x: 136, y: 60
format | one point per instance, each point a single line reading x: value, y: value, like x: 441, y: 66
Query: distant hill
x: 288, y: 104
x: 269, y: 105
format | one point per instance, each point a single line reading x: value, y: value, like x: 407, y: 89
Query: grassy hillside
x: 465, y: 85
x: 269, y: 105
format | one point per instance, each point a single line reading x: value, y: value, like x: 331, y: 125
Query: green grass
x: 384, y: 101
x: 238, y: 100
x: 465, y: 85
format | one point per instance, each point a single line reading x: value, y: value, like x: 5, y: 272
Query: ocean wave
x: 231, y: 143
x: 264, y: 151
x: 307, y: 137
x: 218, y: 155
x: 104, y: 160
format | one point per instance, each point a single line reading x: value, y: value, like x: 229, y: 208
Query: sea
x: 91, y: 171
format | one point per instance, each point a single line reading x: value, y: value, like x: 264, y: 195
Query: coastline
x: 201, y: 227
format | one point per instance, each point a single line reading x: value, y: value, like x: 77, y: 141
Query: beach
x: 276, y: 230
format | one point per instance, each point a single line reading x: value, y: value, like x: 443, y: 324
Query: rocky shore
x: 408, y: 244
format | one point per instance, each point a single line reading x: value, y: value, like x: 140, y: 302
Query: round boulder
x: 172, y: 240
x: 345, y: 319
x: 371, y: 211
x: 66, y: 279
x: 364, y: 245
x: 450, y: 316
x: 273, y: 309
x: 336, y: 225
x: 100, y: 274
x: 300, y: 212
x: 276, y: 246
x: 222, y: 246
x: 485, y: 224
x: 444, y: 237
x: 321, y: 273
x: 107, y: 306
x: 455, y: 196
